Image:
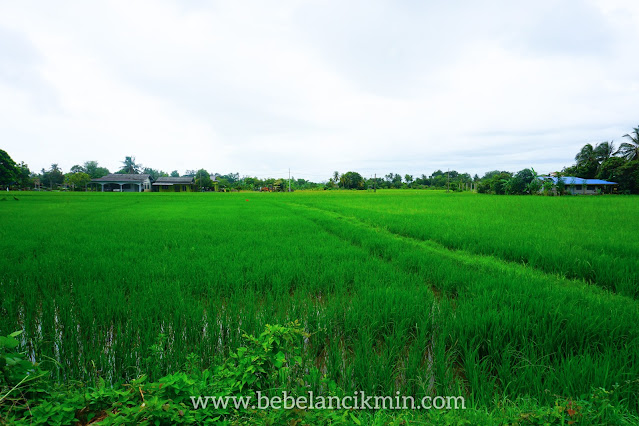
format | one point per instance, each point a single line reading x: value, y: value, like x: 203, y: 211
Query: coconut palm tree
x: 409, y: 179
x: 630, y: 150
x: 587, y: 164
x: 336, y: 177
x: 129, y: 166
x: 586, y: 155
x: 604, y: 151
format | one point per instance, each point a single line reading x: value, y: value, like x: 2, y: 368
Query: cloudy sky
x: 315, y: 86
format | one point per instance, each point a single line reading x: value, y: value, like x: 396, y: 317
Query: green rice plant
x: 587, y: 238
x: 495, y: 298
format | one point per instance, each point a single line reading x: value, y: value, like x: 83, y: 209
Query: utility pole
x: 448, y: 181
x: 289, y: 180
x: 375, y: 183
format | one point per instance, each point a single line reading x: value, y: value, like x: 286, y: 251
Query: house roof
x: 168, y: 181
x: 571, y: 180
x: 115, y: 177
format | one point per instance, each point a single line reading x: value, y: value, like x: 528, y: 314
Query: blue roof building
x: 577, y: 185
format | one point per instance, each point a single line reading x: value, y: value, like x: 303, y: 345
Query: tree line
x: 601, y: 161
x: 604, y: 161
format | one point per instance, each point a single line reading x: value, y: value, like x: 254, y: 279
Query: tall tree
x: 230, y: 177
x: 604, y: 151
x: 154, y: 173
x: 77, y: 180
x: 336, y: 177
x: 352, y: 180
x: 23, y: 177
x: 94, y: 170
x: 518, y: 184
x: 130, y: 166
x: 408, y: 178
x: 585, y: 155
x: 8, y: 171
x: 77, y: 169
x: 587, y: 164
x: 203, y: 180
x: 53, y: 177
x: 630, y: 150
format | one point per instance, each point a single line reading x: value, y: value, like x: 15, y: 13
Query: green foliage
x: 519, y: 183
x: 603, y: 162
x: 271, y: 362
x: 94, y: 170
x: 23, y: 176
x: 603, y: 151
x: 352, y: 180
x: 502, y: 293
x: 597, y: 407
x: 548, y: 187
x: 408, y: 179
x: 630, y: 150
x: 53, y: 177
x: 499, y: 183
x: 534, y: 186
x: 21, y: 382
x: 129, y: 166
x: 587, y: 164
x: 560, y: 186
x: 393, y: 180
x: 203, y: 180
x: 153, y: 173
x: 8, y: 171
x: 625, y: 173
x: 77, y: 180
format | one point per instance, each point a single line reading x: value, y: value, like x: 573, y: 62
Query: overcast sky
x: 316, y: 86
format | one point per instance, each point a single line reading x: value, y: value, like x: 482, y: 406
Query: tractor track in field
x: 464, y: 257
x: 438, y: 294
x: 476, y: 264
x: 437, y: 245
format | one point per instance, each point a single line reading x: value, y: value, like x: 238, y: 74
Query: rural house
x: 174, y: 184
x: 215, y: 183
x: 576, y: 185
x: 124, y: 182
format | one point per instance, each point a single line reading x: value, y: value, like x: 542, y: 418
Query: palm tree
x: 586, y: 155
x: 129, y: 166
x: 604, y: 151
x: 336, y: 178
x: 630, y: 150
x: 587, y: 164
x: 408, y: 178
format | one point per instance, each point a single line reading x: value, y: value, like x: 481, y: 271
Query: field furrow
x: 555, y: 331
x: 589, y: 239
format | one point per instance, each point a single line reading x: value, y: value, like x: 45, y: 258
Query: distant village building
x: 115, y: 182
x: 577, y: 186
x: 174, y: 184
x: 215, y: 183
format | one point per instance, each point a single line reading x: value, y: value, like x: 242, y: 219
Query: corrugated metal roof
x: 572, y: 180
x: 116, y: 177
x: 175, y: 180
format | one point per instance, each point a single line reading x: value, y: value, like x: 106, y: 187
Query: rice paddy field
x: 422, y: 292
